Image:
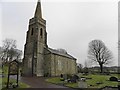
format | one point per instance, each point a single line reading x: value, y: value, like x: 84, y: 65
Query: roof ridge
x: 55, y: 51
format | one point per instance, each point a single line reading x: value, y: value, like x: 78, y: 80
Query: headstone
x: 76, y: 77
x: 83, y: 79
x: 82, y: 84
x: 65, y: 76
x: 80, y: 74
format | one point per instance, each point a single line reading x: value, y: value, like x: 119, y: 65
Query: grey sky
x: 70, y: 25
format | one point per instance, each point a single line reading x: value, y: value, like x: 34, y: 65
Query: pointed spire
x: 38, y: 12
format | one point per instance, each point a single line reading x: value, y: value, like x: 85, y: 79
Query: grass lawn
x: 103, y: 79
x: 4, y: 80
x: 73, y: 85
x: 56, y: 80
x: 91, y: 83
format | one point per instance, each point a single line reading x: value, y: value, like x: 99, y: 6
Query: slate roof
x: 54, y: 51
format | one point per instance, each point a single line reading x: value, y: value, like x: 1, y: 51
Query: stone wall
x: 62, y: 65
x: 47, y: 64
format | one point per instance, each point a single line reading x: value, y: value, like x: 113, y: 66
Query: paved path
x: 39, y: 82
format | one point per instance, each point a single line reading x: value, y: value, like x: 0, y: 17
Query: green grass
x: 5, y: 69
x: 92, y: 83
x: 55, y: 80
x: 104, y: 79
x: 73, y: 85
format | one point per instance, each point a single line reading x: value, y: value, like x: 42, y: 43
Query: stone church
x: 39, y: 59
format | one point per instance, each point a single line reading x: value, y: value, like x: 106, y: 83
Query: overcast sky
x: 71, y: 25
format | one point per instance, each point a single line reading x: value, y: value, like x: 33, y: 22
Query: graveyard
x: 89, y: 81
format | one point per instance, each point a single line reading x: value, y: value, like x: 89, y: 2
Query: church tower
x: 36, y: 42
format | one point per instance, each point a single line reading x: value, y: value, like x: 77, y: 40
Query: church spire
x: 38, y: 12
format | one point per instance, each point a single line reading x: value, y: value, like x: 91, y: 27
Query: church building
x: 39, y: 59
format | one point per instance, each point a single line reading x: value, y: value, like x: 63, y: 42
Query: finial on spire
x: 38, y: 12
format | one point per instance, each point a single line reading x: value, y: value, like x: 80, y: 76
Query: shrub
x: 61, y: 75
x: 62, y: 79
x: 113, y: 79
x: 76, y: 77
x: 69, y: 76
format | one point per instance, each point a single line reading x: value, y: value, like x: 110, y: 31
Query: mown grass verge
x: 91, y: 83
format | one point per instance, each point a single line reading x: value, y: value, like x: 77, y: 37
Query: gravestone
x: 13, y: 70
x: 65, y: 76
x: 80, y: 74
x: 74, y: 78
x: 82, y: 84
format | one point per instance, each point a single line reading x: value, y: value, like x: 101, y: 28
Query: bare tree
x: 85, y: 67
x: 86, y: 64
x: 18, y: 54
x: 79, y: 67
x: 15, y: 54
x: 9, y: 51
x: 99, y: 53
x: 1, y: 52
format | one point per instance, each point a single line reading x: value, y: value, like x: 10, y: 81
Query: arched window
x: 32, y: 32
x: 41, y: 32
